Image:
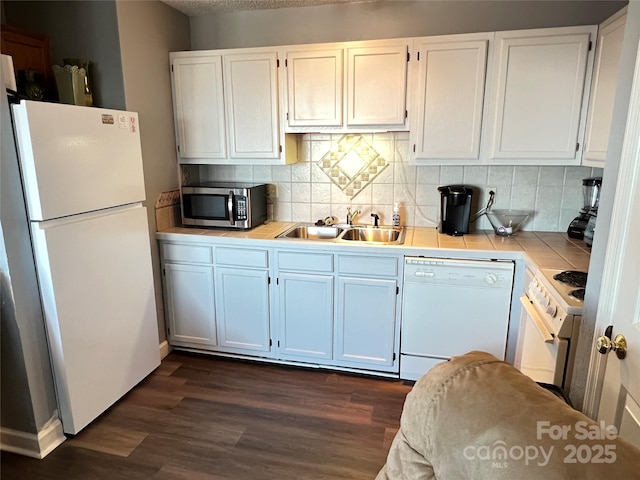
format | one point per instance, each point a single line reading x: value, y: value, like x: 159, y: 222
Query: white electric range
x: 549, y: 326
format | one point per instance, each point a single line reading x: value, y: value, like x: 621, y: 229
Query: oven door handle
x: 542, y: 328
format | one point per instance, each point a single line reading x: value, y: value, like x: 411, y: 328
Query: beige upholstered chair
x: 476, y: 417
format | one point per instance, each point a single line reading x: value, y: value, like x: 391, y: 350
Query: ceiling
x: 194, y: 8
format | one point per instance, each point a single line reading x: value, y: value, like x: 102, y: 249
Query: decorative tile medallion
x: 352, y: 164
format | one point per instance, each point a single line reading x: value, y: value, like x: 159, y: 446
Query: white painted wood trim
x: 30, y: 444
x: 626, y: 185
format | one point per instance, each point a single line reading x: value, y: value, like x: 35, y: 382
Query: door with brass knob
x: 604, y: 344
x: 613, y: 396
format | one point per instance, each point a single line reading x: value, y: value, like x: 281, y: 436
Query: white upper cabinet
x: 449, y: 98
x: 199, y: 107
x: 603, y: 89
x: 314, y: 94
x: 377, y: 85
x: 539, y: 95
x: 227, y: 108
x: 251, y: 95
x: 355, y: 86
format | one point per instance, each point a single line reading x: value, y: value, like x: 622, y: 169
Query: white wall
x: 148, y: 32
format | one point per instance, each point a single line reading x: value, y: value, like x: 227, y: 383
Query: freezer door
x: 77, y: 159
x: 98, y: 298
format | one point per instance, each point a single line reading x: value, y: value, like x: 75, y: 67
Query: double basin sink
x: 347, y: 233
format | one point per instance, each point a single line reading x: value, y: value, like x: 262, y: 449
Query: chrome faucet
x: 352, y: 216
x: 376, y: 219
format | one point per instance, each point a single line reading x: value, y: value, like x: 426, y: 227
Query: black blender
x: 582, y: 226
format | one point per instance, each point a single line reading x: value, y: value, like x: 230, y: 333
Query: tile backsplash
x: 305, y: 193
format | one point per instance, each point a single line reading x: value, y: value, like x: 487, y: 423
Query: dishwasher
x: 450, y: 307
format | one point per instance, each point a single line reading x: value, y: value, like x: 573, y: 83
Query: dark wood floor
x: 205, y: 418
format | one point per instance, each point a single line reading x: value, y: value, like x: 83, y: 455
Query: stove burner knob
x: 552, y: 310
x: 545, y: 301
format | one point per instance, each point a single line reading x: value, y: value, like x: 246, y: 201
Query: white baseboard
x: 31, y: 444
x: 165, y: 349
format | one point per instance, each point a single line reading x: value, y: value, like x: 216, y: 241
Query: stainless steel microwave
x: 224, y: 204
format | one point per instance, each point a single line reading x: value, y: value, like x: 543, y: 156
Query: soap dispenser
x: 396, y: 215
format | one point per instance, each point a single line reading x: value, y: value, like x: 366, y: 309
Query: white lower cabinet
x: 242, y: 310
x: 358, y: 329
x: 217, y: 298
x: 306, y: 316
x: 242, y: 301
x: 305, y: 306
x: 190, y: 308
x: 332, y: 310
x: 366, y: 322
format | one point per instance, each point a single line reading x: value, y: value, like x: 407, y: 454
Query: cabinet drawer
x: 377, y: 266
x: 187, y: 253
x: 242, y: 257
x: 306, y: 262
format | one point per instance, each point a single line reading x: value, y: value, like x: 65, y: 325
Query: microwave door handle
x: 230, y: 208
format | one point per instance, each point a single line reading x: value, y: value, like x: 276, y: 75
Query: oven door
x: 542, y: 356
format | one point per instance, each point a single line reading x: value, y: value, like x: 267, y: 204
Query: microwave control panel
x: 241, y: 208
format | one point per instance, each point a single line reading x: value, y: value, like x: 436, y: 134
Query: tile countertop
x: 547, y: 250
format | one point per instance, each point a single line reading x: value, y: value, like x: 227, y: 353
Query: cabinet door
x: 377, y: 86
x: 242, y: 310
x: 306, y: 316
x: 190, y: 305
x: 29, y: 51
x: 314, y: 88
x: 450, y: 99
x: 199, y: 108
x: 538, y: 97
x: 251, y: 95
x: 366, y: 323
x: 603, y: 91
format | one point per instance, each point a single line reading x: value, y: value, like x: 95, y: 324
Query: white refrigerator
x: 82, y: 177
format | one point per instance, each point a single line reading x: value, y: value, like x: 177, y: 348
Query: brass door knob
x: 619, y: 345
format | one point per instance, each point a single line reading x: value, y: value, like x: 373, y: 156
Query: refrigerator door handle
x: 230, y: 208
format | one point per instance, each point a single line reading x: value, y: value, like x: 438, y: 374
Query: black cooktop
x: 577, y: 294
x: 573, y: 278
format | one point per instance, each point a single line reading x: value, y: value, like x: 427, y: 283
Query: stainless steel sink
x: 374, y: 235
x: 346, y: 233
x: 312, y: 232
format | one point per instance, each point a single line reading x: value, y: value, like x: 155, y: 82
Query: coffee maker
x: 583, y: 225
x: 455, y: 209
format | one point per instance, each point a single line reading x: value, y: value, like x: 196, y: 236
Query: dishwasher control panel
x: 476, y: 273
